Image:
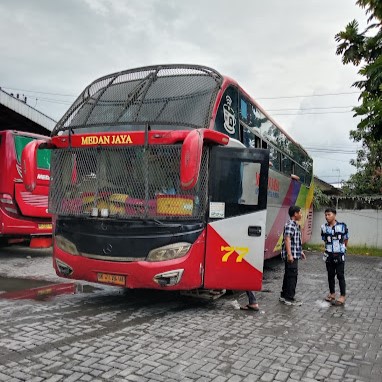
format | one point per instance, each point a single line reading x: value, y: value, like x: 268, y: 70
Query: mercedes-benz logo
x: 107, y: 249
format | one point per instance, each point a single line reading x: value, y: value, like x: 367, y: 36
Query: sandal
x: 249, y: 307
x: 329, y: 298
x: 338, y: 303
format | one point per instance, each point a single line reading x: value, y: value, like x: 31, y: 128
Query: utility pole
x: 339, y: 175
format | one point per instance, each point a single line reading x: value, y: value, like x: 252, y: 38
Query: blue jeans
x: 251, y: 297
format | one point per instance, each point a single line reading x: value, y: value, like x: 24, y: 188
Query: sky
x: 281, y: 52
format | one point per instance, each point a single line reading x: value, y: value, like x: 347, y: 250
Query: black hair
x: 331, y: 209
x: 293, y: 210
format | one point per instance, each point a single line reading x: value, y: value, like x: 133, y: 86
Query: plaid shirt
x: 292, y: 229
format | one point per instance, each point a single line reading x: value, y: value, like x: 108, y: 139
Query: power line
x: 313, y: 108
x: 310, y: 95
x: 329, y: 151
x: 331, y: 176
x: 61, y: 102
x: 333, y: 147
x: 335, y: 159
x: 303, y: 110
x: 39, y: 92
x: 327, y: 112
x: 278, y: 97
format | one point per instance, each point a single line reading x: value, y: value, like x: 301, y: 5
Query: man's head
x: 295, y: 212
x: 330, y: 215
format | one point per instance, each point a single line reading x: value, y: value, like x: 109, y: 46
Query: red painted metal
x: 22, y: 213
x: 41, y: 242
x: 192, y: 153
x: 29, y: 164
x: 139, y: 274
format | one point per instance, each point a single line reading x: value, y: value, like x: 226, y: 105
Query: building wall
x: 365, y: 226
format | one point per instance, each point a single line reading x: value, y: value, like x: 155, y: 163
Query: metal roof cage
x: 171, y: 95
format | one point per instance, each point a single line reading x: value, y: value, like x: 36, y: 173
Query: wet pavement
x: 104, y: 333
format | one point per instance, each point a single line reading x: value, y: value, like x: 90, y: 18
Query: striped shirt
x: 292, y: 229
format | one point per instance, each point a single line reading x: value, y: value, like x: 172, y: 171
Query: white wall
x: 365, y: 226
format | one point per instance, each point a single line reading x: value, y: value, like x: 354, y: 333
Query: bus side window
x: 274, y: 158
x: 258, y: 142
x: 248, y: 138
x: 300, y: 172
x: 287, y: 165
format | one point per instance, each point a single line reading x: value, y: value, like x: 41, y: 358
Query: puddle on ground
x: 18, y: 288
x: 15, y: 284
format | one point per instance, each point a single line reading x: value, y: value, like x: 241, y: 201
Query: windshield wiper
x: 161, y: 223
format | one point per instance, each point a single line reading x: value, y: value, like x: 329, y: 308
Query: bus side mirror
x: 191, y: 154
x: 29, y: 163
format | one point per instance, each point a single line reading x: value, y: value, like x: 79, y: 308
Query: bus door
x: 238, y: 181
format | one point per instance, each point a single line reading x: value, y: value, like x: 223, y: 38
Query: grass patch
x: 352, y: 249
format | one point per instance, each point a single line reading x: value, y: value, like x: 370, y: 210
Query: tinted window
x: 249, y: 114
x: 274, y: 158
x: 286, y: 165
x: 239, y: 182
x: 250, y: 139
x: 300, y: 172
x: 43, y: 156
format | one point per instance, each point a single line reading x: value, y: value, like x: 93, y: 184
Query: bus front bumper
x: 184, y: 273
x: 22, y: 226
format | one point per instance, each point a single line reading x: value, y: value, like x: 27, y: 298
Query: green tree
x: 364, y: 49
x: 321, y: 200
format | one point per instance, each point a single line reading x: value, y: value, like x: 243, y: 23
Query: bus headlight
x: 66, y: 245
x: 169, y: 252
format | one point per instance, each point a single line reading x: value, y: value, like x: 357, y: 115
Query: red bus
x: 23, y: 214
x: 160, y: 180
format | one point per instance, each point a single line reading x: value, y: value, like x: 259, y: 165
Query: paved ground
x: 111, y: 335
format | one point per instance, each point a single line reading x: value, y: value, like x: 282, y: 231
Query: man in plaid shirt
x: 291, y: 252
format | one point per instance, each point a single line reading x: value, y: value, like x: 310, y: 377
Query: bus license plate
x: 107, y: 278
x: 45, y: 226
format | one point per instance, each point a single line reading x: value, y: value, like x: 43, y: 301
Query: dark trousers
x: 290, y: 280
x: 339, y: 270
x: 251, y: 297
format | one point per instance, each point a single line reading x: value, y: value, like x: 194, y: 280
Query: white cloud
x: 273, y: 48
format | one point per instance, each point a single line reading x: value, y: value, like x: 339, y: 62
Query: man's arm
x: 346, y: 236
x: 288, y: 249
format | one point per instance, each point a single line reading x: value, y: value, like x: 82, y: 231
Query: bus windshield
x: 125, y: 182
x: 43, y: 156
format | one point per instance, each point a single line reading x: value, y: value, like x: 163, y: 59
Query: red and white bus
x: 160, y: 180
x: 23, y: 214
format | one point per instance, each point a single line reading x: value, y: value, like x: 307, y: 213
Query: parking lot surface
x: 108, y: 334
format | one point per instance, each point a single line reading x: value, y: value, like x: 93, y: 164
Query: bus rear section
x: 24, y: 215
x: 171, y: 215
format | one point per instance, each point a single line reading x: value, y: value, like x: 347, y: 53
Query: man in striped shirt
x: 291, y: 252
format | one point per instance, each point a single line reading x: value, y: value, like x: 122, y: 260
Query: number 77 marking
x: 242, y: 251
